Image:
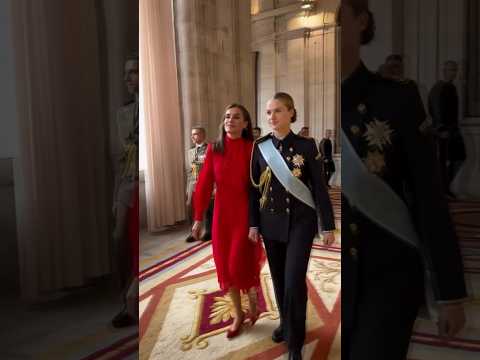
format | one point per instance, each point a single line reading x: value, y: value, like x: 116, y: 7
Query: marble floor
x: 72, y: 327
x: 159, y: 246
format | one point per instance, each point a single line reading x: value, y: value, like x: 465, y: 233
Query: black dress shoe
x: 190, y: 239
x: 295, y: 355
x: 207, y: 237
x: 123, y: 319
x: 277, y: 335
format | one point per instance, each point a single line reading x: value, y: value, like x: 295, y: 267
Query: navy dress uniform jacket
x: 383, y: 277
x: 282, y: 210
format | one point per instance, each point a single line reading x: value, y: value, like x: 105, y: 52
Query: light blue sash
x: 294, y: 185
x: 374, y: 198
x: 370, y: 195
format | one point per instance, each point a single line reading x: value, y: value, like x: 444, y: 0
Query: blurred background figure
x: 443, y: 106
x: 257, y: 132
x: 304, y: 131
x: 196, y: 158
x: 328, y: 164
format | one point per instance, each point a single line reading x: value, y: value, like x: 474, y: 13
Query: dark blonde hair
x: 287, y: 100
x: 360, y: 6
x: 219, y: 145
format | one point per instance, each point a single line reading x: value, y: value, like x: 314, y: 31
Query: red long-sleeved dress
x: 237, y: 259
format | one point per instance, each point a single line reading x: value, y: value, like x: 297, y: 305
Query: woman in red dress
x: 238, y: 260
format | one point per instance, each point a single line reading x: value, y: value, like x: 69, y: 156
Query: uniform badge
x: 298, y: 160
x: 378, y: 134
x: 297, y: 172
x: 362, y: 109
x: 289, y: 158
x: 355, y: 130
x: 375, y: 162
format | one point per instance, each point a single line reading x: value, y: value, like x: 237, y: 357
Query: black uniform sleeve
x: 319, y: 189
x: 430, y: 208
x: 449, y: 107
x: 321, y: 147
x: 328, y: 149
x: 254, y: 197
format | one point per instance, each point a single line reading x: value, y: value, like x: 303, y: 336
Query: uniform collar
x: 286, y: 141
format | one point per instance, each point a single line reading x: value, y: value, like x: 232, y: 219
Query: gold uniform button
x: 354, y: 252
x: 271, y: 199
x: 271, y: 210
x: 271, y: 188
x: 287, y: 200
x: 287, y: 210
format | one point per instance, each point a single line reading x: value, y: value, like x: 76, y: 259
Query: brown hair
x: 219, y: 144
x: 360, y: 6
x: 287, y: 100
x: 201, y: 128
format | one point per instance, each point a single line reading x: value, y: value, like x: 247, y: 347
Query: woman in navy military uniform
x: 288, y: 193
x: 395, y: 219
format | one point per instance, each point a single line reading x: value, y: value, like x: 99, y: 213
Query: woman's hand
x: 196, y: 229
x: 451, y: 320
x: 328, y: 238
x: 254, y: 235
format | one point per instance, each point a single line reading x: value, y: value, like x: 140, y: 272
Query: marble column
x: 215, y: 61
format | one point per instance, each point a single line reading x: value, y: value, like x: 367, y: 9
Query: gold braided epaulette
x: 265, y: 177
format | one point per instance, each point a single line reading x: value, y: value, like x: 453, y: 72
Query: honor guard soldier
x: 125, y: 162
x: 195, y: 160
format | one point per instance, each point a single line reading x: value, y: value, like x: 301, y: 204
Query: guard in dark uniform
x: 443, y: 108
x: 326, y: 149
x: 288, y: 226
x: 382, y: 274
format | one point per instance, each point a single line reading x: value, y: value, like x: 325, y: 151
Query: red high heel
x: 233, y: 333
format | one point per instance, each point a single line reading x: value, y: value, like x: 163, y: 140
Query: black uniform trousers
x: 382, y: 291
x: 288, y: 266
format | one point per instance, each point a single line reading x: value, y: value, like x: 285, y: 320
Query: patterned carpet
x: 184, y: 316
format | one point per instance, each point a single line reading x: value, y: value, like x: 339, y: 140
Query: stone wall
x: 297, y: 54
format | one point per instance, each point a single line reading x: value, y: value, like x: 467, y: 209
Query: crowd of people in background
x: 443, y: 110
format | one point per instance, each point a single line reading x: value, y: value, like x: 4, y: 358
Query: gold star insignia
x: 378, y: 133
x: 298, y: 160
x: 297, y: 172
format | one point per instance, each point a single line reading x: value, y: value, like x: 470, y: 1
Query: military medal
x: 375, y: 162
x: 378, y: 133
x: 298, y: 160
x: 297, y: 172
x: 355, y: 130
